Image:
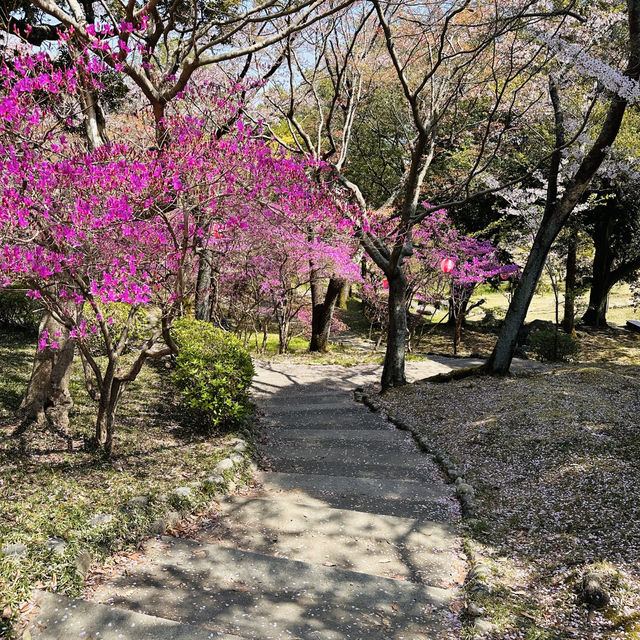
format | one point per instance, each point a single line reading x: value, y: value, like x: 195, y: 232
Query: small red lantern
x: 385, y: 284
x: 447, y: 264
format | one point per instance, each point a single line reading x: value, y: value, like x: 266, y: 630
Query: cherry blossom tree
x: 622, y: 88
x: 462, y: 82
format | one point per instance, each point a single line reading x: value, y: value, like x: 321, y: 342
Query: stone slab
x: 383, y: 545
x: 269, y: 598
x: 62, y: 618
x: 348, y: 468
x: 324, y: 437
x: 302, y: 406
x: 405, y: 498
x: 359, y: 419
x: 307, y: 397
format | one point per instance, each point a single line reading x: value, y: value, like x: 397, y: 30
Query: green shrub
x: 19, y: 311
x: 543, y: 344
x: 213, y: 372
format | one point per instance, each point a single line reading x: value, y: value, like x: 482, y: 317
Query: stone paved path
x: 350, y: 533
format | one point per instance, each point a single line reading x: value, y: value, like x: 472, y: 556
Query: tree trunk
x: 458, y: 302
x: 94, y: 122
x: 203, y: 287
x: 110, y: 393
x: 570, y: 287
x: 500, y: 360
x: 162, y: 135
x: 48, y: 398
x: 393, y: 374
x: 457, y: 332
x: 282, y: 318
x: 322, y: 315
x: 344, y: 295
x: 596, y: 313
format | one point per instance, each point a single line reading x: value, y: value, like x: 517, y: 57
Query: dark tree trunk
x: 452, y: 316
x: 570, y: 286
x: 363, y: 268
x: 393, y: 373
x: 500, y: 360
x: 601, y: 283
x: 203, y: 286
x: 47, y: 399
x: 322, y: 315
x: 596, y: 313
x: 162, y: 135
x: 110, y: 394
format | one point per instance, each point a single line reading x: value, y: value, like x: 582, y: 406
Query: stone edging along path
x: 177, y: 502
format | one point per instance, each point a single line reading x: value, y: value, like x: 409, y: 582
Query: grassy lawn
x: 47, y: 493
x: 553, y: 458
x: 543, y: 305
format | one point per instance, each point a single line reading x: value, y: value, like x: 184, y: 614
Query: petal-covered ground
x: 554, y: 457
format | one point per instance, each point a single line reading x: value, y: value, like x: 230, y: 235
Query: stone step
x: 355, y: 468
x: 312, y: 390
x: 323, y: 437
x: 403, y: 452
x: 386, y: 496
x: 358, y: 418
x: 291, y: 398
x: 302, y: 407
x: 383, y: 545
x: 262, y: 597
x: 62, y: 618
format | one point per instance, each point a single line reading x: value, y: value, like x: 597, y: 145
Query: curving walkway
x: 349, y: 533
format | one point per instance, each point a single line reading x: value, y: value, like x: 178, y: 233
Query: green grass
x: 46, y: 492
x: 543, y: 304
x: 353, y: 316
x: 298, y: 344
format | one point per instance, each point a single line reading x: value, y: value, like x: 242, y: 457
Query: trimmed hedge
x: 213, y: 372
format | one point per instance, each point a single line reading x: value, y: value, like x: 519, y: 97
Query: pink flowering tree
x: 266, y: 255
x: 123, y: 224
x: 91, y: 229
x: 472, y: 262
